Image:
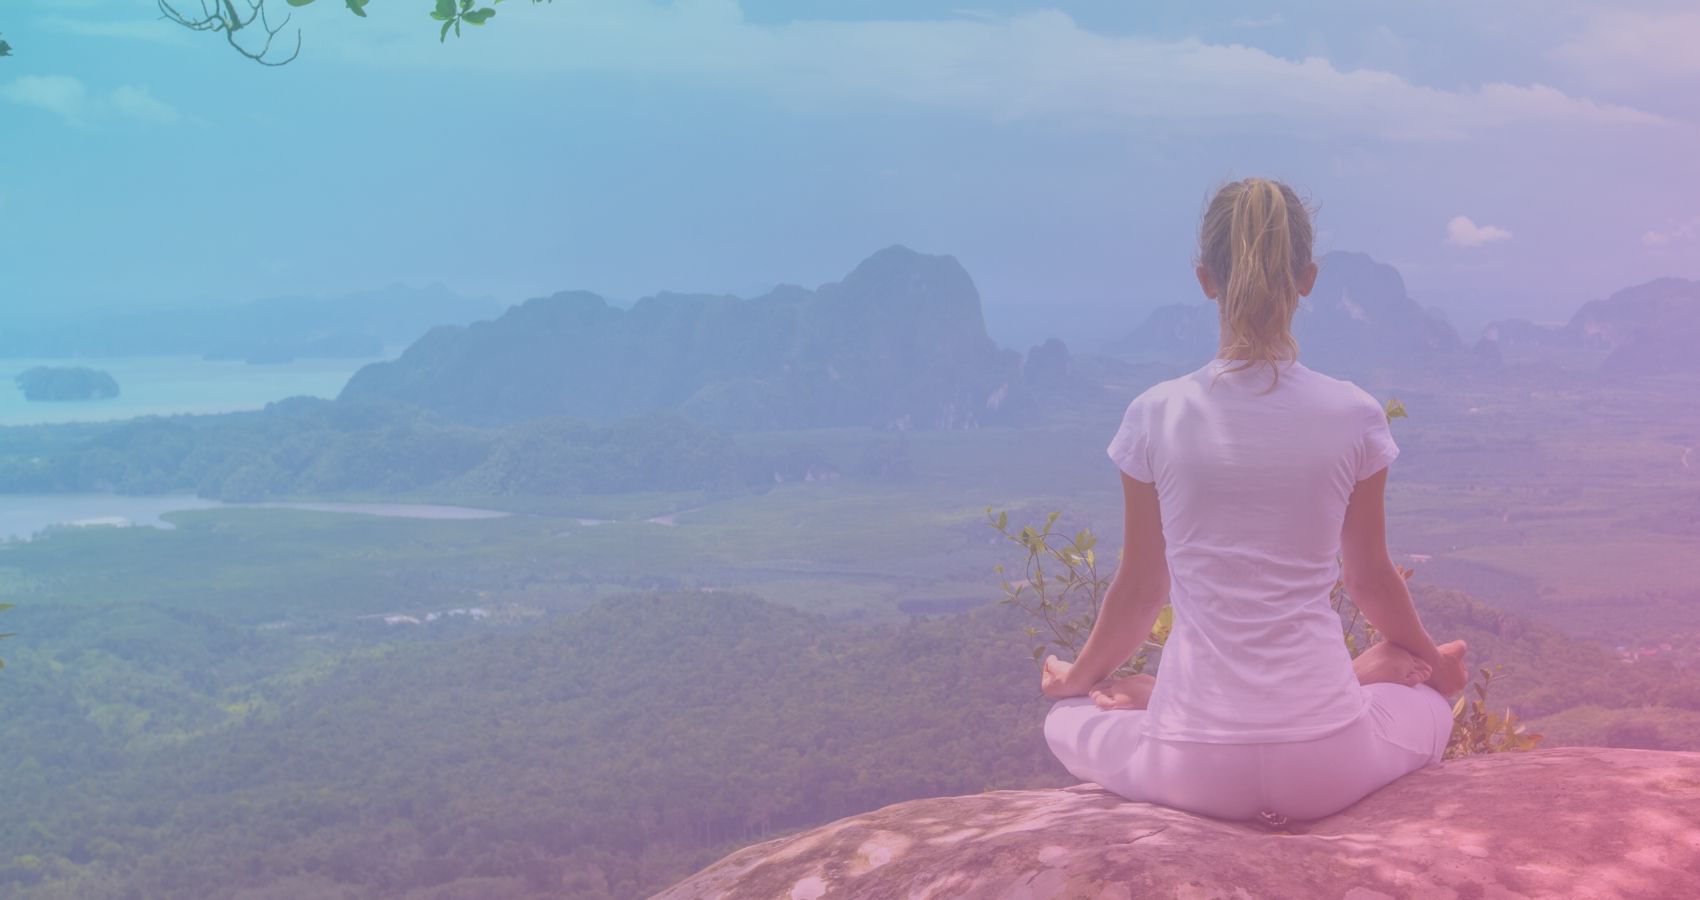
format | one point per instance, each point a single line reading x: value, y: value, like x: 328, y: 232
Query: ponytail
x: 1256, y: 242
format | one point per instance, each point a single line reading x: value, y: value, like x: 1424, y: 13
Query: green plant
x: 1064, y: 590
x: 1475, y: 730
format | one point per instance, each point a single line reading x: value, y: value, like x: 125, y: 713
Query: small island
x: 61, y: 383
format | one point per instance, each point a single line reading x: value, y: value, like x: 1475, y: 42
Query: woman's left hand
x: 1057, y: 680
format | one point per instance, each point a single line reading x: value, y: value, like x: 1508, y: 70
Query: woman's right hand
x: 1450, y: 675
x: 1057, y: 679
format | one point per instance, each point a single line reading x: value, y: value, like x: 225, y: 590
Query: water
x: 389, y: 510
x: 22, y: 515
x: 165, y: 385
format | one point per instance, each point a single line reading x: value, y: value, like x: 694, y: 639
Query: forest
x: 600, y: 753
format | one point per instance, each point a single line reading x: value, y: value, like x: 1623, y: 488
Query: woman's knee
x: 1066, y: 719
x: 1415, y: 718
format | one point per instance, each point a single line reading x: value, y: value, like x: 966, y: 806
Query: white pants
x: 1405, y: 729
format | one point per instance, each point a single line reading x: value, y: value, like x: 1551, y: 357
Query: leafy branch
x: 249, y: 27
x: 1476, y: 730
x: 1062, y: 588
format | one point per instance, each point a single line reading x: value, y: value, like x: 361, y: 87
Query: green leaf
x: 1165, y: 623
x: 445, y: 34
x: 5, y: 49
x: 358, y: 7
x: 445, y: 10
x: 478, y: 16
x: 299, y: 2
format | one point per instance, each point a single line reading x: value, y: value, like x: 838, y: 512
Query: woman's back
x: 1253, y: 486
x: 1238, y: 479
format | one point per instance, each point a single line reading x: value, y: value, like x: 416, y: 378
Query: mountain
x: 1358, y: 321
x: 1648, y: 329
x: 899, y: 343
x: 271, y: 330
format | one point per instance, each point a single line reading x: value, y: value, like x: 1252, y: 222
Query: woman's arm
x: 1136, y: 594
x: 1378, y: 589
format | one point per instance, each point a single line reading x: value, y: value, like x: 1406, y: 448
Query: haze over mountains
x: 1361, y: 323
x: 1648, y: 329
x: 1358, y: 321
x: 277, y: 329
x: 899, y: 343
x: 567, y: 394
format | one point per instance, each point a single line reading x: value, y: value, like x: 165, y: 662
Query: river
x: 22, y: 515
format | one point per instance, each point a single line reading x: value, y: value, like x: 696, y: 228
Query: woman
x: 1241, y: 487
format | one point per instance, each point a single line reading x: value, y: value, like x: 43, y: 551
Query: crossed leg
x: 1382, y: 662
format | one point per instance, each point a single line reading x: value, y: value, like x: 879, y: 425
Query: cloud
x: 1035, y: 66
x: 136, y: 103
x: 1676, y: 233
x: 1632, y: 47
x: 1461, y: 232
x: 69, y: 99
x: 61, y: 95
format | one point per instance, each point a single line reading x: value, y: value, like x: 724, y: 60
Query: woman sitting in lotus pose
x: 1241, y: 488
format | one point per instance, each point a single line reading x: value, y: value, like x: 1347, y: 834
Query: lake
x: 22, y: 515
x: 166, y: 385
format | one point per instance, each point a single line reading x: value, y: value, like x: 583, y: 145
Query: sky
x: 1510, y: 157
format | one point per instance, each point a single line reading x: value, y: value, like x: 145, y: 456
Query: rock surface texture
x: 1572, y: 822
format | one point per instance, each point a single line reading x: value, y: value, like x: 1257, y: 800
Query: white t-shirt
x: 1253, y: 491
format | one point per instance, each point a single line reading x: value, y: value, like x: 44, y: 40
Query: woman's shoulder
x: 1342, y: 390
x: 1155, y: 394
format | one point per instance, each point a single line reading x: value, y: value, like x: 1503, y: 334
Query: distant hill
x: 1359, y: 321
x: 899, y: 343
x: 1648, y: 329
x: 273, y: 330
x: 66, y: 383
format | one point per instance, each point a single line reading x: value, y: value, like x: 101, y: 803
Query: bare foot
x: 1453, y: 676
x: 1132, y: 692
x: 1387, y: 661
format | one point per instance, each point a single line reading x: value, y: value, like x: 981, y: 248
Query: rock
x: 1579, y: 822
x: 1049, y: 367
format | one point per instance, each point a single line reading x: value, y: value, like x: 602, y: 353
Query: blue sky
x: 1512, y: 157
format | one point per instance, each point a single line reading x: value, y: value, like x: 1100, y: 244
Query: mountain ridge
x: 899, y: 342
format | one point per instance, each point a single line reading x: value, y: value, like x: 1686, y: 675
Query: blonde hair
x: 1256, y: 242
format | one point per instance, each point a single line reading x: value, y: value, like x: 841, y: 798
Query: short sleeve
x: 1130, y: 449
x: 1378, y: 449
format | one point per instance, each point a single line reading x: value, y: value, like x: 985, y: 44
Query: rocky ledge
x: 1573, y: 822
